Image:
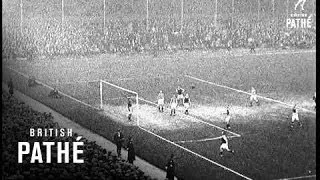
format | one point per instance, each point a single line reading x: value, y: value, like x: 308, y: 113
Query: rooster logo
x: 301, y: 3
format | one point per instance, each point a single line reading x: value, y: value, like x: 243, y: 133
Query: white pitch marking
x: 53, y: 88
x: 203, y: 140
x: 196, y: 154
x: 241, y: 91
x: 300, y: 177
x: 77, y: 82
x: 273, y: 53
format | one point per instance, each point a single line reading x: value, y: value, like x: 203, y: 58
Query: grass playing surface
x: 267, y: 148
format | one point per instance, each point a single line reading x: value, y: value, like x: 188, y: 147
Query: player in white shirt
x: 224, y: 144
x: 173, y: 103
x: 180, y: 92
x: 253, y: 97
x: 186, y: 103
x: 160, y: 101
x: 295, y: 116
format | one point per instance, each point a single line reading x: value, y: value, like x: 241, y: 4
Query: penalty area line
x: 196, y: 154
x: 203, y: 140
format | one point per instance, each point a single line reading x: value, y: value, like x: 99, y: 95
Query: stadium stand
x: 44, y: 38
x: 18, y: 118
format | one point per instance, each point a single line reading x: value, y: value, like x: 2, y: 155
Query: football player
x: 180, y: 92
x: 186, y: 103
x: 224, y: 144
x: 173, y: 103
x: 227, y: 119
x: 295, y: 116
x: 253, y: 97
x: 160, y: 101
x: 229, y: 45
x: 130, y: 109
x: 314, y: 99
x: 251, y: 45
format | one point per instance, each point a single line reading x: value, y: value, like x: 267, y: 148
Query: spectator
x: 131, y: 153
x: 17, y: 119
x: 54, y: 94
x: 32, y: 81
x: 118, y: 139
x: 170, y: 167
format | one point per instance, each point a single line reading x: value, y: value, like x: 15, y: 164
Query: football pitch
x: 265, y: 145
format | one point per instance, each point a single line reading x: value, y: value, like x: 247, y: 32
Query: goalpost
x: 115, y: 98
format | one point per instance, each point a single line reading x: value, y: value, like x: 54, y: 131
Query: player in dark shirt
x: 180, y: 97
x: 314, y: 99
x: 186, y: 103
x: 228, y: 117
x: 129, y: 108
x: 224, y: 144
x: 251, y: 45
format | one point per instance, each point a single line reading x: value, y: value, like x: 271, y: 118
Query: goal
x: 114, y: 97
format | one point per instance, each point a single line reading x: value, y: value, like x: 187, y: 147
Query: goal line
x: 103, y: 83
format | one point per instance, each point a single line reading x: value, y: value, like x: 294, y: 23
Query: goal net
x: 114, y: 99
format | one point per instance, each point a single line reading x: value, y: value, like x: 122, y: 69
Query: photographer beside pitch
x: 118, y: 139
x: 170, y: 167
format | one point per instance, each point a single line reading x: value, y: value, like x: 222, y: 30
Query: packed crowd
x: 18, y: 118
x: 46, y: 37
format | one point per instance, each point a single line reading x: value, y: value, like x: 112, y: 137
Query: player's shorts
x: 173, y: 105
x: 160, y: 101
x: 224, y: 146
x: 228, y: 119
x: 253, y: 98
x: 180, y: 96
x: 295, y: 117
x: 186, y: 105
